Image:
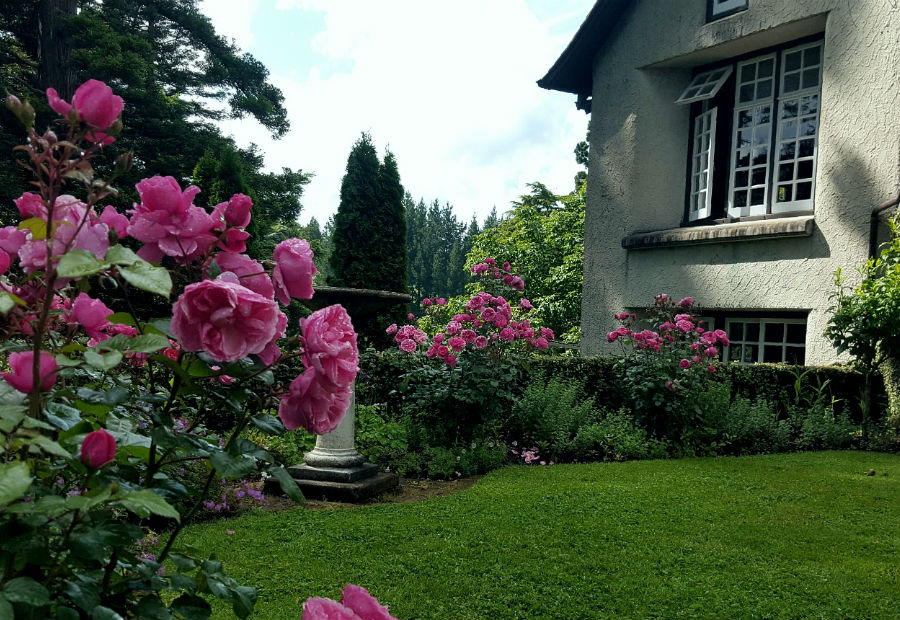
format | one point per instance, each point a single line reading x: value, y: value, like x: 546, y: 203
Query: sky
x: 448, y: 87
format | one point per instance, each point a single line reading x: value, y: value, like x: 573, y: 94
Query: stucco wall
x: 639, y: 143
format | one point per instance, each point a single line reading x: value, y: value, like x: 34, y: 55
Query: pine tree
x: 392, y: 216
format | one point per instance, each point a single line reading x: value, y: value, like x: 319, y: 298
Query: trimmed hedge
x: 380, y: 374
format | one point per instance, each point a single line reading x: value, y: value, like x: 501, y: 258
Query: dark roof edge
x: 572, y: 71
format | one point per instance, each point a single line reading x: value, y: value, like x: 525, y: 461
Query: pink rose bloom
x: 294, y: 270
x: 696, y: 359
x: 31, y: 205
x: 250, y: 273
x: 711, y: 368
x: 453, y: 328
x: 57, y: 103
x: 443, y: 351
x: 683, y: 317
x: 22, y: 375
x: 488, y: 314
x: 670, y: 386
x: 392, y: 329
x: 684, y: 364
x: 271, y: 352
x: 92, y: 236
x: 475, y: 303
x: 508, y: 333
x: 309, y: 405
x: 411, y: 316
x: 451, y: 361
x: 90, y: 313
x: 685, y: 326
x: 408, y: 346
x: 490, y: 261
x: 227, y: 320
x: 695, y: 346
x: 233, y: 240
x: 507, y: 266
x: 441, y: 301
x: 518, y: 283
x: 329, y: 346
x: 317, y: 608
x: 481, y: 342
x: 356, y: 604
x: 426, y: 302
x: 507, y: 279
x: 168, y: 223
x: 235, y: 212
x: 98, y: 448
x: 547, y: 333
x: 500, y: 321
x: 612, y: 336
x: 687, y: 302
x: 431, y: 352
x: 468, y: 335
x: 711, y: 352
x: 457, y: 343
x: 541, y: 343
x: 96, y: 104
x: 525, y: 304
x: 115, y: 221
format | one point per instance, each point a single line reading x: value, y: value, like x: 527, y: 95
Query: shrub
x: 382, y: 441
x: 753, y: 427
x: 615, y: 437
x: 819, y: 428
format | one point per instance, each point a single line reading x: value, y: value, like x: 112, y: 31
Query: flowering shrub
x: 666, y: 366
x: 100, y: 412
x: 465, y: 355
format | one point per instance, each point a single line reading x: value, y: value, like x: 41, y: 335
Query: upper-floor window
x: 716, y: 9
x: 754, y: 133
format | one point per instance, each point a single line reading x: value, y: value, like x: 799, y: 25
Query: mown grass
x: 805, y: 535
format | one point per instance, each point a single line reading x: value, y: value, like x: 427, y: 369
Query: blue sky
x: 449, y: 87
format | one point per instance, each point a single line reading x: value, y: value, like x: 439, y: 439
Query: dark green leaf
x: 104, y: 613
x: 6, y: 609
x: 230, y: 467
x: 84, y: 595
x: 64, y: 613
x: 11, y: 416
x: 163, y: 326
x: 27, y: 591
x: 62, y: 416
x: 152, y: 608
x: 122, y: 318
x: 148, y: 278
x: 268, y: 423
x: 244, y: 600
x: 191, y: 607
x: 183, y: 562
x: 145, y: 502
x: 118, y: 255
x: 111, y: 398
x: 15, y: 478
x: 288, y: 485
x: 103, y: 362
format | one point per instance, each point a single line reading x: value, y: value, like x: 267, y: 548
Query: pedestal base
x: 351, y: 484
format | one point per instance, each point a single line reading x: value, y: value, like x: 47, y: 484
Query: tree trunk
x: 53, y: 51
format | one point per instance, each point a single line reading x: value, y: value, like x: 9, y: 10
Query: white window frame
x: 719, y: 8
x: 761, y: 342
x: 705, y: 85
x: 797, y: 96
x: 702, y: 159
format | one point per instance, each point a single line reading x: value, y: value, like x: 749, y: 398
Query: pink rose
x: 329, y: 346
x: 450, y: 360
x: 711, y: 368
x: 457, y: 343
x: 525, y: 304
x: 443, y: 352
x: 115, y: 221
x: 426, y: 302
x: 507, y: 266
x: 294, y: 270
x: 168, y: 223
x: 235, y: 212
x: 684, y: 364
x: 508, y: 333
x: 481, y: 342
x: 518, y: 283
x: 612, y: 336
x: 234, y: 240
x: 70, y: 212
x: 31, y: 205
x: 223, y: 318
x: 57, y: 103
x: 96, y: 104
x: 98, y: 448
x: 310, y: 405
x: 541, y: 343
x: 441, y: 301
x: 22, y: 375
x: 711, y: 352
x: 90, y: 313
x: 468, y: 335
x: 392, y: 329
x: 547, y: 333
x: 439, y: 338
x: 453, y: 328
x: 250, y: 273
x: 408, y: 346
x: 687, y: 302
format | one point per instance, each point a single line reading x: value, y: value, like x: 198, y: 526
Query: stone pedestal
x: 335, y: 471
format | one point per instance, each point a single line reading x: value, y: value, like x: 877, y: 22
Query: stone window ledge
x: 776, y: 228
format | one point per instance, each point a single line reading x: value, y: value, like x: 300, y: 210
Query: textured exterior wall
x: 639, y: 152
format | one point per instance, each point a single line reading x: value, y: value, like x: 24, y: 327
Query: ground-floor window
x: 772, y: 340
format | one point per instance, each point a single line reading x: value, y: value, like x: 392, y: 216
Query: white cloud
x: 448, y: 87
x: 232, y: 19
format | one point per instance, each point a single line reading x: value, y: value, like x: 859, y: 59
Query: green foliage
x: 543, y: 238
x: 820, y: 427
x: 754, y: 427
x: 615, y: 437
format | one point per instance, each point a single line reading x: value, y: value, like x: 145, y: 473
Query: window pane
x: 752, y: 332
x: 764, y: 89
x: 796, y: 333
x: 758, y: 196
x: 741, y: 178
x: 791, y: 82
x: 785, y: 193
x: 811, y: 78
x: 748, y: 73
x: 774, y: 332
x: 734, y: 352
x: 746, y: 93
x: 789, y: 109
x: 788, y: 130
x: 736, y: 331
x: 750, y: 354
x: 786, y: 172
x: 772, y: 354
x: 745, y: 118
x: 804, y: 169
x: 740, y: 199
x: 759, y: 176
x: 742, y: 159
x: 787, y: 151
x: 795, y: 355
x: 764, y: 68
x: 811, y: 56
x: 807, y: 148
x: 804, y: 191
x: 809, y: 105
x: 792, y: 61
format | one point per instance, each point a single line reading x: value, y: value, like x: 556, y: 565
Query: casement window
x: 773, y: 340
x: 754, y: 134
x: 717, y: 9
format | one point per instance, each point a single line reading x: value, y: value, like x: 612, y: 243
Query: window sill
x: 754, y: 230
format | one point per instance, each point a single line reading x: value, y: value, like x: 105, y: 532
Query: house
x: 738, y: 149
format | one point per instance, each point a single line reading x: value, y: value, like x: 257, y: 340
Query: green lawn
x: 784, y: 536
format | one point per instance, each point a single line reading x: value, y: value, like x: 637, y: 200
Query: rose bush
x: 666, y: 366
x: 101, y: 412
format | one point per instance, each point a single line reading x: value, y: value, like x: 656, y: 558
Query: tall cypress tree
x: 370, y: 226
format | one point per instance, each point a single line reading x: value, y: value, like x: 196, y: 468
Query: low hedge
x: 380, y: 373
